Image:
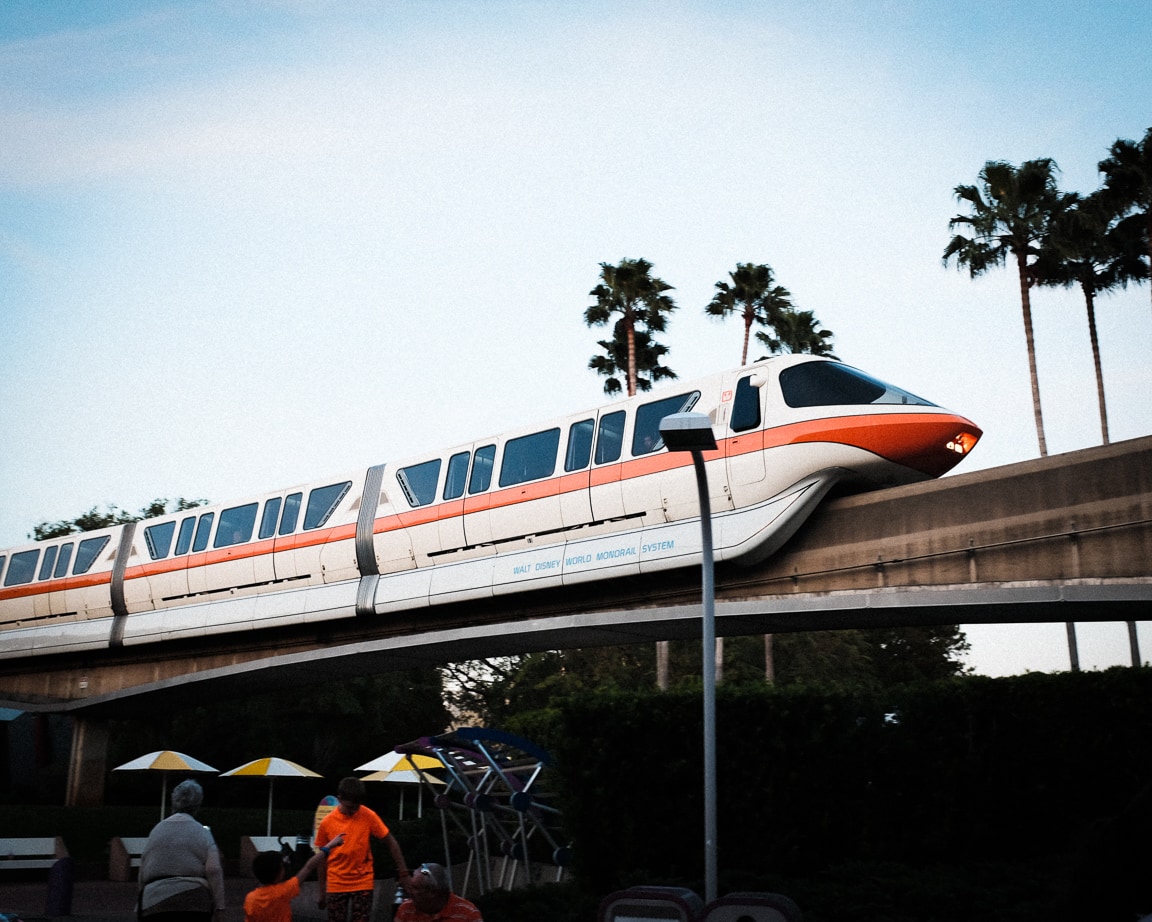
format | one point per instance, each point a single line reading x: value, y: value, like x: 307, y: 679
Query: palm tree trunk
x: 747, y: 336
x: 662, y: 665
x: 769, y: 660
x: 631, y: 351
x: 1025, y: 300
x: 1091, y: 301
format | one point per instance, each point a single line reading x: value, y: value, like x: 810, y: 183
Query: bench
x: 31, y: 853
x: 124, y: 855
x: 42, y: 853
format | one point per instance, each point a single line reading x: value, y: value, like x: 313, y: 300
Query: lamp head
x: 688, y: 432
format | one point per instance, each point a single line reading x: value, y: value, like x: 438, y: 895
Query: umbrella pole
x: 271, y: 782
x: 401, y: 803
x: 163, y: 792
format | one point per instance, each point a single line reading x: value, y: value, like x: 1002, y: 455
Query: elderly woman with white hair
x: 181, y: 875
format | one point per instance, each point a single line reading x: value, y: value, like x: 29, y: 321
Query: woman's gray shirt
x: 180, y: 855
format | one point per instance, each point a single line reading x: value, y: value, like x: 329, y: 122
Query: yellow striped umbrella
x: 404, y: 768
x: 271, y: 767
x: 164, y: 761
x: 402, y: 761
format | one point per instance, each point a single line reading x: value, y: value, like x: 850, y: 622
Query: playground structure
x: 491, y: 790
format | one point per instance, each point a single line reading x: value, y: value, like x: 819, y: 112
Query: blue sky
x: 245, y: 245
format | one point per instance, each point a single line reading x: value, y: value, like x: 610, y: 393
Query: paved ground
x: 109, y: 901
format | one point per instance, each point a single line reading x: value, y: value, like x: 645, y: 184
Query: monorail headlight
x: 962, y: 443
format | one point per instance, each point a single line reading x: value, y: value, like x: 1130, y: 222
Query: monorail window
x: 745, y: 406
x: 62, y: 561
x: 236, y: 525
x: 579, y: 445
x: 87, y: 552
x: 482, y: 465
x: 827, y: 384
x: 291, y: 513
x: 159, y: 539
x: 268, y: 520
x: 48, y: 562
x: 529, y: 457
x: 610, y: 437
x: 184, y: 539
x: 2, y: 559
x: 647, y: 438
x: 203, y: 530
x: 322, y: 502
x: 419, y: 482
x: 457, y: 475
x: 22, y: 568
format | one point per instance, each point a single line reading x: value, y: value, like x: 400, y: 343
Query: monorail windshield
x: 827, y: 384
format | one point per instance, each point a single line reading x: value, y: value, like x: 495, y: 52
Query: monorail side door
x: 743, y: 398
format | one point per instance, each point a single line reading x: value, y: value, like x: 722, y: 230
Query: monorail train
x: 590, y: 496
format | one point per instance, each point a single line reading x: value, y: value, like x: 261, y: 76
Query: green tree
x: 95, y: 518
x: 1128, y: 187
x: 1090, y: 247
x: 614, y: 362
x: 503, y: 690
x: 496, y: 690
x: 1012, y: 210
x: 753, y: 295
x: 798, y: 332
x: 640, y: 299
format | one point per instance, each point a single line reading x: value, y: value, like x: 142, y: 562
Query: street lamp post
x: 692, y: 432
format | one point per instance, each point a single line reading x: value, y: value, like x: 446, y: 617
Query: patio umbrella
x: 405, y: 776
x: 391, y: 760
x: 271, y: 767
x: 165, y: 761
x: 403, y: 768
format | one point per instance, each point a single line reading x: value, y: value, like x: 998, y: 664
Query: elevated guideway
x: 1066, y: 538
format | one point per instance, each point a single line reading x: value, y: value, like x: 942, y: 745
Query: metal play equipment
x: 494, y: 796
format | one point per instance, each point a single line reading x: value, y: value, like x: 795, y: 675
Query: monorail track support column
x: 88, y: 763
x: 692, y: 432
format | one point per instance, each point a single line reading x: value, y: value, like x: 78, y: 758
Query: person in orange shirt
x: 348, y: 877
x: 272, y: 900
x: 430, y: 899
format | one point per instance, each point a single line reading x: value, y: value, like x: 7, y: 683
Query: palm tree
x: 614, y: 361
x: 1128, y: 187
x: 1088, y: 246
x: 1091, y: 245
x: 754, y: 296
x: 1012, y: 210
x: 798, y: 332
x: 630, y: 290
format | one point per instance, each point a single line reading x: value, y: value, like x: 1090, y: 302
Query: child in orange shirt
x: 272, y: 900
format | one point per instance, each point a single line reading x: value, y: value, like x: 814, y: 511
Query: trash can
x: 752, y: 907
x: 640, y: 904
x: 59, y: 899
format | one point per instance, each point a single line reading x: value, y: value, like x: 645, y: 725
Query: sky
x: 249, y: 245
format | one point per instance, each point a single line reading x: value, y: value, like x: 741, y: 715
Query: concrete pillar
x: 88, y: 765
